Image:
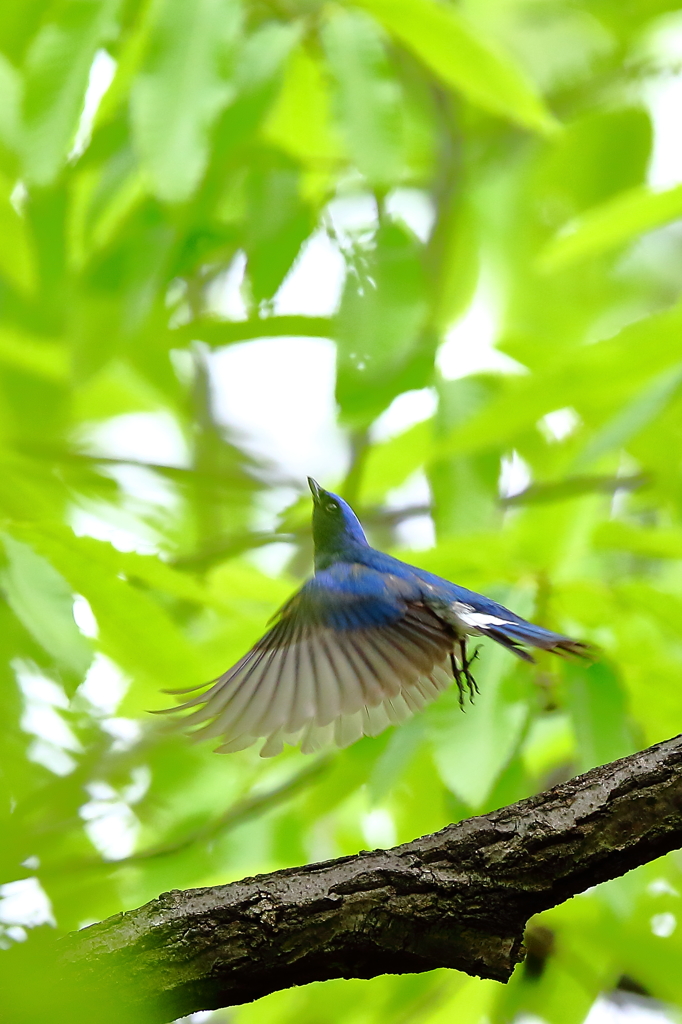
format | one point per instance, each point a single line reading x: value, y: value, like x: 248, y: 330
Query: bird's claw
x: 462, y: 675
x: 473, y: 685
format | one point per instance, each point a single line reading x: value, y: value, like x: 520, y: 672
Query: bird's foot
x: 471, y: 682
x: 458, y: 676
x: 466, y: 684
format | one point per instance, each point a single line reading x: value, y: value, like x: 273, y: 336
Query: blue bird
x: 364, y: 644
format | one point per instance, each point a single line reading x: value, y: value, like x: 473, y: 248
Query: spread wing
x: 353, y: 652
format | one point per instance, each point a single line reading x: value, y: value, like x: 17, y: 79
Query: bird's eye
x: 331, y: 506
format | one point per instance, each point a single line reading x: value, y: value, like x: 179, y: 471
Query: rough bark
x: 459, y: 898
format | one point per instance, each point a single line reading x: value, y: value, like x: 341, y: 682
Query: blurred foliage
x: 226, y: 133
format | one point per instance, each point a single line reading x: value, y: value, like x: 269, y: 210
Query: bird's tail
x: 516, y: 636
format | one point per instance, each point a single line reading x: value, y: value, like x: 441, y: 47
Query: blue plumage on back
x: 368, y: 641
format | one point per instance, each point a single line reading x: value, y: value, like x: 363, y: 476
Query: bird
x: 365, y: 643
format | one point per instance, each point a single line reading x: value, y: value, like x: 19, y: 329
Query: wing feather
x: 320, y: 676
x: 397, y: 709
x: 366, y: 646
x: 307, y: 693
x: 316, y: 737
x: 303, y: 695
x: 328, y: 705
x: 273, y: 745
x: 271, y: 702
x: 238, y: 743
x: 223, y: 692
x: 350, y: 687
x: 399, y: 667
x: 348, y: 729
x: 370, y: 684
x: 374, y: 720
x: 249, y: 699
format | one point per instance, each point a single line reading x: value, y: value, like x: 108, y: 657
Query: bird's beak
x: 315, y: 489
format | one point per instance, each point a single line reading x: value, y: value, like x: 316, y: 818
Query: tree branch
x: 459, y: 898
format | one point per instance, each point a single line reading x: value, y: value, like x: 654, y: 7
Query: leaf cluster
x: 151, y: 151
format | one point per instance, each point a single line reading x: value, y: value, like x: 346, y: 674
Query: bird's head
x: 336, y: 528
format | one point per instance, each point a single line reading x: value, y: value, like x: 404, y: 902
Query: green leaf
x: 43, y: 602
x: 633, y: 418
x: 134, y: 629
x: 390, y: 463
x: 130, y: 55
x: 464, y: 488
x: 103, y: 200
x: 472, y: 748
x: 455, y: 233
x: 598, y: 708
x: 10, y: 105
x: 159, y: 575
x: 610, y: 225
x: 181, y: 90
x: 394, y: 760
x: 263, y: 55
x: 41, y: 357
x: 17, y: 262
x: 278, y: 224
x: 57, y: 71
x: 300, y: 121
x: 467, y: 1001
x: 439, y: 35
x: 598, y: 155
x: 368, y: 95
x: 380, y: 349
x: 651, y: 543
x: 605, y: 375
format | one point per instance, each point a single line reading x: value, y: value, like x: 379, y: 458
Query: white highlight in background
x: 25, y: 902
x: 415, y: 208
x: 153, y: 437
x: 663, y: 925
x: 663, y: 96
x: 224, y: 296
x: 102, y: 72
x: 664, y: 99
x: 110, y: 824
x: 84, y: 617
x: 624, y: 1008
x: 661, y: 887
x: 104, y: 686
x: 378, y: 829
x: 271, y: 559
x: 85, y: 523
x: 560, y: 424
x: 279, y: 392
x: 416, y: 533
x: 41, y: 719
x: 514, y: 475
x: 353, y: 217
x: 314, y: 284
x: 405, y: 411
x: 470, y: 343
x: 103, y: 689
